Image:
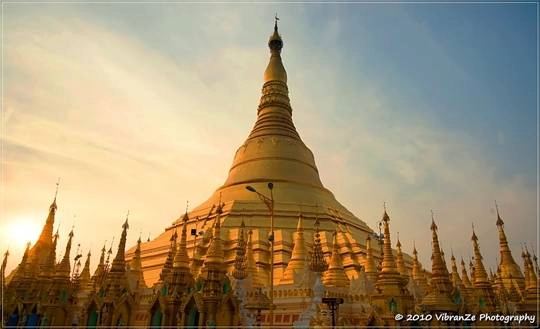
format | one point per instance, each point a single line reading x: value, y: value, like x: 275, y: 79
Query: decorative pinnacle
x: 474, y: 237
x: 57, y: 185
x: 433, y: 225
x: 499, y: 219
x: 126, y: 225
x: 275, y: 43
x: 386, y: 218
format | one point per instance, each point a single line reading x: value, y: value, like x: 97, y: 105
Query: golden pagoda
x: 439, y: 297
x: 483, y: 292
x: 216, y: 276
x: 272, y: 152
x: 392, y: 296
x: 335, y: 275
x: 510, y: 272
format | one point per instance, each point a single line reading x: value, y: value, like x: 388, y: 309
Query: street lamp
x: 269, y: 202
x: 333, y: 305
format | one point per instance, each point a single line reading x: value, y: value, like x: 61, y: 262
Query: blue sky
x: 142, y: 106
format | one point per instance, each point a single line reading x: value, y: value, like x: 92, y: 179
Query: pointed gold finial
x: 335, y: 275
x: 126, y: 225
x: 386, y: 218
x: 56, y: 192
x: 317, y: 263
x: 275, y: 71
x: 298, y: 262
x: 433, y: 225
x: 499, y: 219
x: 240, y: 263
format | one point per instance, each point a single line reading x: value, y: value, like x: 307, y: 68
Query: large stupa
x: 273, y: 152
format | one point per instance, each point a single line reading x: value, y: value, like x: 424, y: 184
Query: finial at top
x: 386, y: 218
x: 126, y: 225
x: 433, y: 225
x: 53, y: 204
x: 275, y: 43
x: 499, y: 219
x: 474, y: 237
x: 57, y: 185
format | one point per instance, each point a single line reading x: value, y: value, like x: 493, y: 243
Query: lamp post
x: 269, y: 202
x: 333, y: 305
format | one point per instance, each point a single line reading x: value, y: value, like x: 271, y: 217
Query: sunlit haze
x: 141, y: 107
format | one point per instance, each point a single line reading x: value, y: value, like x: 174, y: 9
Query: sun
x: 21, y: 230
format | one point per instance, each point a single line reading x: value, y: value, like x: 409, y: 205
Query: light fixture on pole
x: 269, y: 202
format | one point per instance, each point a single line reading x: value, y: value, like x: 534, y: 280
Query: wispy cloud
x: 129, y: 123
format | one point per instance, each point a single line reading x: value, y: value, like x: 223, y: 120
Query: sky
x: 141, y: 107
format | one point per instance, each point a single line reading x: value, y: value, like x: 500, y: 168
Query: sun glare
x: 22, y: 230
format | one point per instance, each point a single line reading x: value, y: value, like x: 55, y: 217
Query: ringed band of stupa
x: 273, y: 152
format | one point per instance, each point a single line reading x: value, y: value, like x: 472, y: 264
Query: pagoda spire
x: 317, y: 263
x: 529, y: 302
x: 418, y: 274
x: 438, y: 267
x: 399, y: 259
x: 22, y: 269
x: 471, y: 269
x: 438, y: 299
x: 456, y: 280
x: 136, y: 266
x: 101, y: 264
x: 388, y: 263
x: 167, y: 267
x: 85, y: 273
x: 48, y: 268
x: 213, y: 271
x: 46, y: 236
x: 251, y: 265
x: 239, y: 271
x: 215, y: 254
x: 119, y: 261
x: 3, y: 268
x: 464, y: 277
x: 481, y: 282
x: 416, y: 268
x: 370, y: 265
x: 64, y: 267
x: 275, y: 71
x: 389, y: 281
x: 335, y: 275
x: 533, y: 279
x: 181, y: 259
x: 297, y: 263
x: 480, y: 274
x: 274, y: 111
x: 509, y: 269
